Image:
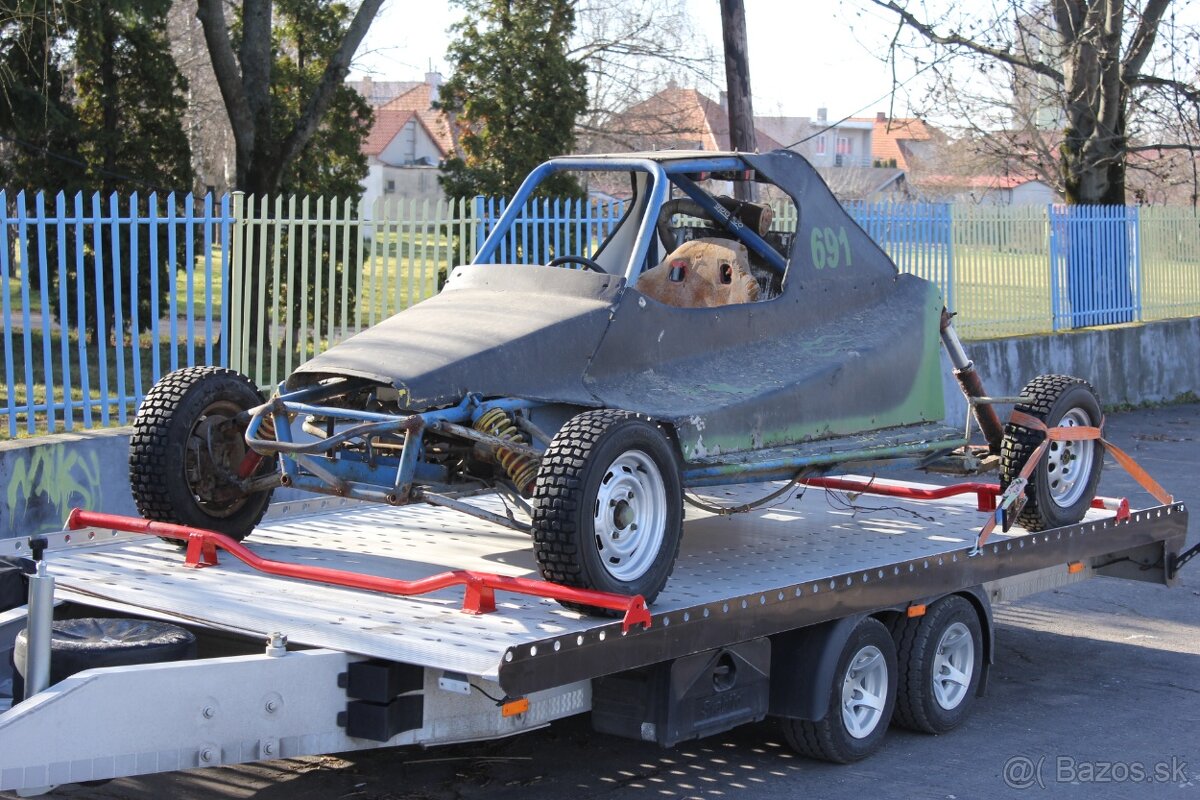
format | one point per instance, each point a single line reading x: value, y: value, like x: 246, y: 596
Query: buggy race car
x: 591, y: 379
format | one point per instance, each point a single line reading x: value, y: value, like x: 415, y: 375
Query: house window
x: 843, y: 146
x: 389, y: 187
x: 821, y: 145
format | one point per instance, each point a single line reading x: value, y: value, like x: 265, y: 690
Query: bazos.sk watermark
x: 1023, y: 772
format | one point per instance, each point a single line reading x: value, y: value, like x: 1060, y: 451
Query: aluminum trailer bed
x: 813, y: 558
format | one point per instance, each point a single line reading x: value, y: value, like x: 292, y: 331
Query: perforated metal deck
x: 809, y: 558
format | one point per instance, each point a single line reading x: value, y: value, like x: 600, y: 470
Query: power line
x: 877, y: 100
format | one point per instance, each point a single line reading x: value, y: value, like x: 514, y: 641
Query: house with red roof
x: 676, y: 118
x: 899, y: 142
x: 408, y: 141
x: 986, y: 190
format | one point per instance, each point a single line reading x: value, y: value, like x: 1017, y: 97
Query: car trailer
x: 834, y: 609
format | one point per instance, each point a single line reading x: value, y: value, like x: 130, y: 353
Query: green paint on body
x: 924, y: 403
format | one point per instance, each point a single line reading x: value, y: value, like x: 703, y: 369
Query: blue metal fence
x: 1094, y: 265
x: 109, y: 294
x: 103, y: 295
x: 547, y: 227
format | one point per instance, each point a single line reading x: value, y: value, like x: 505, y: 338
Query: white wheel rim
x: 1068, y: 464
x: 630, y: 517
x: 953, y: 666
x: 864, y: 692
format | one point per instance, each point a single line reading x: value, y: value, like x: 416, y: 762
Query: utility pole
x: 737, y: 83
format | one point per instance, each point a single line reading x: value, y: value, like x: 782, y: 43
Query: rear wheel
x: 1063, y: 484
x: 187, y: 449
x: 608, y: 506
x: 861, y: 700
x: 939, y: 663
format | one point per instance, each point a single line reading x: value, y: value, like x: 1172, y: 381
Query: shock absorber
x: 522, y: 470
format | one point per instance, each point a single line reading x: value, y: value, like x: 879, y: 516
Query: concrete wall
x: 44, y: 478
x: 1130, y: 364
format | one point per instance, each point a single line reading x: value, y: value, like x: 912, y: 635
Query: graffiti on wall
x: 46, y: 482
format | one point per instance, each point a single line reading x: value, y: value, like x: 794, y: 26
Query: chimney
x: 822, y: 114
x: 434, y: 80
x: 724, y: 99
x: 880, y: 116
x: 368, y: 92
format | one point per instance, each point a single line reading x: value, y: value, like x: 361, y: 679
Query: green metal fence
x: 308, y: 272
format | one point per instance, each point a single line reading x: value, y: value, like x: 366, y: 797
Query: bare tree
x: 244, y: 78
x: 633, y: 48
x: 1073, y: 90
x: 205, y: 120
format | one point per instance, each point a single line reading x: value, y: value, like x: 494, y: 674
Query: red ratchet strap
x: 480, y: 596
x: 1014, y: 495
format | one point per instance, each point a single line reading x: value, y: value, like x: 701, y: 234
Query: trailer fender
x: 803, y: 663
x: 983, y: 607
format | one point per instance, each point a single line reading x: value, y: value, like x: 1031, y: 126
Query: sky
x: 804, y: 54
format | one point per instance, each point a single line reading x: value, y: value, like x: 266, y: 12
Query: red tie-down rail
x: 986, y: 494
x: 481, y: 587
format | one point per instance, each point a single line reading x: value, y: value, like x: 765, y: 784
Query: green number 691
x: 828, y: 247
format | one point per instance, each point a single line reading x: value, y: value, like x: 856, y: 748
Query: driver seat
x: 703, y: 273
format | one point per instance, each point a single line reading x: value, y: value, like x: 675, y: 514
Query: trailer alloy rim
x: 1068, y: 464
x: 953, y: 665
x: 631, y: 515
x: 864, y: 692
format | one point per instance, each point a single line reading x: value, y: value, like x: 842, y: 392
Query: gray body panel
x: 501, y: 331
x: 767, y: 374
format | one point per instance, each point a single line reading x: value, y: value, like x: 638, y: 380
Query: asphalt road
x: 1095, y: 693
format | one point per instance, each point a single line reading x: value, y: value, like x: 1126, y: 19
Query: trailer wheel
x: 187, y: 447
x: 1062, y: 486
x: 939, y: 663
x: 861, y: 700
x: 608, y: 506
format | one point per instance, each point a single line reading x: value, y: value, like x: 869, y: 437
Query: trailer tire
x: 931, y: 652
x: 1062, y: 486
x: 584, y: 534
x: 177, y: 468
x: 852, y: 730
x: 88, y: 643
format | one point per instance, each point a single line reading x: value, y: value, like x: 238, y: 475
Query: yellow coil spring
x: 266, y: 431
x: 521, y: 469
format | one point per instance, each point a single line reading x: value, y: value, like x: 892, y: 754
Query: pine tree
x: 515, y: 94
x: 96, y: 104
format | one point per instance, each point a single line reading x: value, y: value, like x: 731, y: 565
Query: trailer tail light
x: 514, y: 707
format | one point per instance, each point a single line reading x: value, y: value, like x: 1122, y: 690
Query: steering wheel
x: 583, y: 261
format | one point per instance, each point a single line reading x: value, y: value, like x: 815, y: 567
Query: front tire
x: 1062, y: 486
x: 608, y: 506
x: 187, y: 447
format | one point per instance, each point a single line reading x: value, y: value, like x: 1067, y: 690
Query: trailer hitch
x: 479, y: 597
x: 1179, y: 559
